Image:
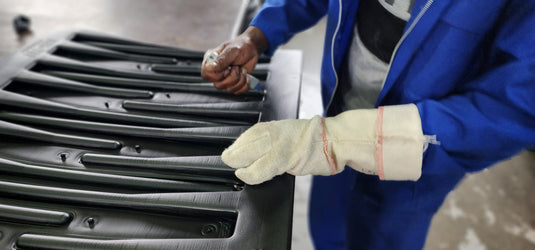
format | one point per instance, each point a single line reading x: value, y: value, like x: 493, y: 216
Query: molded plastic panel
x: 108, y: 143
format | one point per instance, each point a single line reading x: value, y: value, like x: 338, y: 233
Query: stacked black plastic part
x: 108, y: 143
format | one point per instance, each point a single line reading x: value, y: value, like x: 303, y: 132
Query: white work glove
x: 388, y: 142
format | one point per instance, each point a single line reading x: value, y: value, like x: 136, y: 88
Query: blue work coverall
x: 468, y: 65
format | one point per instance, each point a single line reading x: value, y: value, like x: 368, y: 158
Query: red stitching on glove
x: 325, y: 149
x: 379, y: 146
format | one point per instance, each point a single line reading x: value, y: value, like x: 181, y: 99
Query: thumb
x: 260, y: 171
x: 222, y: 59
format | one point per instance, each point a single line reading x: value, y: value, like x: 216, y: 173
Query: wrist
x: 257, y: 38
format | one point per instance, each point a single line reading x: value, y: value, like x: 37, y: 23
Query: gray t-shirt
x: 365, y: 73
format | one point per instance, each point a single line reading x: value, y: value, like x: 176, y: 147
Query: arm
x: 276, y: 22
x: 387, y: 142
x: 493, y: 117
x: 487, y: 120
x: 281, y: 19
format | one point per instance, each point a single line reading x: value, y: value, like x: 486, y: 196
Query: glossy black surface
x: 100, y: 151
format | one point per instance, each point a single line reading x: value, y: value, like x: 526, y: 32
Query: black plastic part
x: 33, y: 216
x: 147, y: 84
x: 195, y: 69
x: 224, y: 135
x: 109, y: 143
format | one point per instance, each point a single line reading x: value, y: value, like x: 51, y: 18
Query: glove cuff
x: 387, y: 141
x: 400, y: 144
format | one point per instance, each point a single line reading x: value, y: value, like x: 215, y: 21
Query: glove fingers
x: 248, y: 148
x: 260, y: 171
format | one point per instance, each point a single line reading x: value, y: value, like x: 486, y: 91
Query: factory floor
x: 492, y: 209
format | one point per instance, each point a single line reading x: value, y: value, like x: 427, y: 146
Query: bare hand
x: 235, y: 58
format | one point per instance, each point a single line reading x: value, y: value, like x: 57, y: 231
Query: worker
x: 416, y: 94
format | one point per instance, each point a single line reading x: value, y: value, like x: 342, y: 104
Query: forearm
x: 490, y: 119
x: 257, y: 37
x: 387, y: 142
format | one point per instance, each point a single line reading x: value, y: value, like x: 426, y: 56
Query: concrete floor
x: 493, y: 209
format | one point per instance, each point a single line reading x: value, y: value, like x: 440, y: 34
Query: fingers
x: 208, y: 71
x: 250, y: 154
x: 245, y: 87
x: 235, y: 82
x: 242, y: 85
x: 232, y: 78
x: 226, y: 55
x: 250, y: 65
x: 259, y: 172
x: 238, y: 85
x: 249, y: 147
x: 228, y: 69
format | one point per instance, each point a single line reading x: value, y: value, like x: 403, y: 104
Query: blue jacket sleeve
x: 493, y: 117
x: 281, y: 19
